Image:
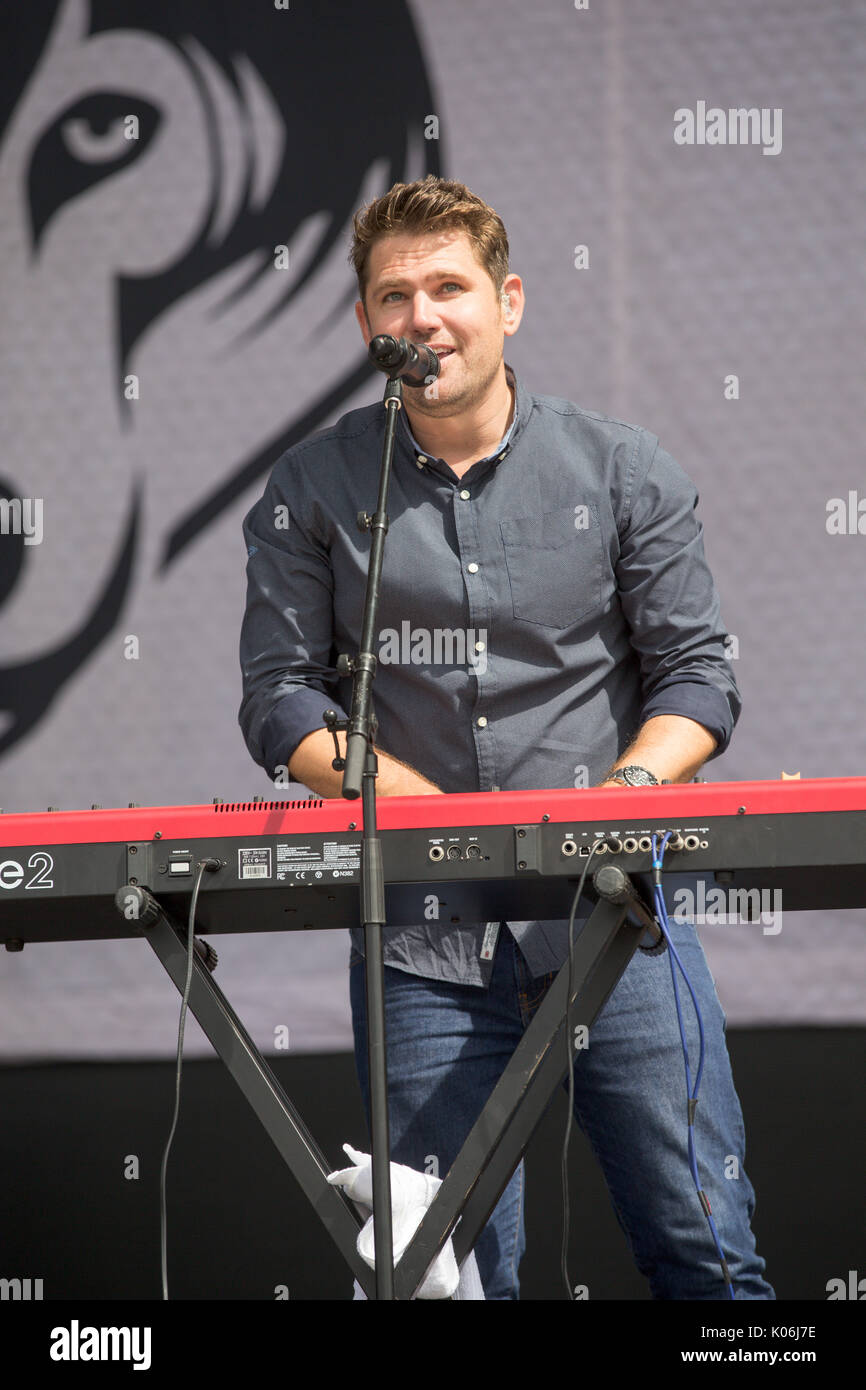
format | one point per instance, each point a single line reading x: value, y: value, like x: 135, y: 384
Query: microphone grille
x: 384, y: 349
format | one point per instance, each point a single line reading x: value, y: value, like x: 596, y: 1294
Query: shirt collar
x: 505, y: 442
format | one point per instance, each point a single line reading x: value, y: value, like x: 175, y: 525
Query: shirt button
x: 419, y: 463
x: 482, y: 722
x: 422, y: 458
x: 465, y: 495
x: 473, y: 568
x: 479, y: 646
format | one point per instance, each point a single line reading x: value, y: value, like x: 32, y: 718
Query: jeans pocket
x: 554, y: 564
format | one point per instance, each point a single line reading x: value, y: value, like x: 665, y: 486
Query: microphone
x: 398, y: 357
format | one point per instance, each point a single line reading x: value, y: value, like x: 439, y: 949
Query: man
x: 565, y: 548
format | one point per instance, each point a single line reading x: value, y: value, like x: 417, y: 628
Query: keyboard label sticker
x: 254, y: 863
x: 308, y: 863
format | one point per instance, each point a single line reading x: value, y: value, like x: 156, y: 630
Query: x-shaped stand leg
x: 496, y: 1142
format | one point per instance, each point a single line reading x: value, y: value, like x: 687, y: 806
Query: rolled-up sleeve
x: 287, y: 633
x: 670, y: 600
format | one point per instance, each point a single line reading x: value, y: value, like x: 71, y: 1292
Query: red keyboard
x: 296, y: 864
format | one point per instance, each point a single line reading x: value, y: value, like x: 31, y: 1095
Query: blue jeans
x: 448, y: 1045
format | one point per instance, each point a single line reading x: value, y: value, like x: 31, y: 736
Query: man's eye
x: 392, y: 294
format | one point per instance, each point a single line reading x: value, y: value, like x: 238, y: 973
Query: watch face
x: 638, y: 777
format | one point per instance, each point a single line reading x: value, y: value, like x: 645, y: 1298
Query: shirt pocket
x: 554, y: 564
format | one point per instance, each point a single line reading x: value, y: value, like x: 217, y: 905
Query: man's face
x: 431, y: 289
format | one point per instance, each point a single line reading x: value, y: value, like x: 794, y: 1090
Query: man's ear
x: 512, y: 301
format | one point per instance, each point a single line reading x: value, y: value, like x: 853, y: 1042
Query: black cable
x: 190, y: 951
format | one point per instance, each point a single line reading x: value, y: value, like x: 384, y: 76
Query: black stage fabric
x: 239, y: 1228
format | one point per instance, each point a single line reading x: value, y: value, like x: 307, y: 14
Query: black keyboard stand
x: 500, y: 1135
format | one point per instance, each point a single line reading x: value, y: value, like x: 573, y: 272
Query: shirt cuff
x: 297, y: 714
x: 693, y: 700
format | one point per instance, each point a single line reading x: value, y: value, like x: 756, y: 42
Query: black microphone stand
x: 359, y: 776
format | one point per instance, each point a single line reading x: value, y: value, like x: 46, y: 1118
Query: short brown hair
x: 431, y: 204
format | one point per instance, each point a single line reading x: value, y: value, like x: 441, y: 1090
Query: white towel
x: 411, y: 1195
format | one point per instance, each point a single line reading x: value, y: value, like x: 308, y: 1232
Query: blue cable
x: 662, y: 915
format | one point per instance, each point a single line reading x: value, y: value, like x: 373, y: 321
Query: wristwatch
x: 634, y: 776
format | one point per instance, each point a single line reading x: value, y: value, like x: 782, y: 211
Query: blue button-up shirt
x: 533, y: 614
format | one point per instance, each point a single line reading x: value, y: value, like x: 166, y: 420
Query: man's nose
x: 424, y: 317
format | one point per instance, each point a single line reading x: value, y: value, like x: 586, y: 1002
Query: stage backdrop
x: 177, y: 181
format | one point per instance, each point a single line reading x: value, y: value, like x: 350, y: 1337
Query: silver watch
x: 634, y: 776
